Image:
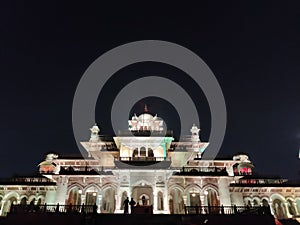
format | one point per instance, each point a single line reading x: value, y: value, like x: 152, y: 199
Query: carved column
x: 61, y: 191
x: 166, y: 201
x: 202, y: 200
x: 99, y: 203
x: 82, y: 199
x: 155, y: 200
x: 224, y: 192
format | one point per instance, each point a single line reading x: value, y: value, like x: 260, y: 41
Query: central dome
x: 145, y: 116
x: 145, y: 122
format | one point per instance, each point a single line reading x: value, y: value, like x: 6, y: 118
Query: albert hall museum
x: 146, y: 164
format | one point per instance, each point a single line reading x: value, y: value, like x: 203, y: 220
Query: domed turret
x: 195, y: 133
x: 94, y: 133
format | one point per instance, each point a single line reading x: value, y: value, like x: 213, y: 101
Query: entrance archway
x: 144, y: 190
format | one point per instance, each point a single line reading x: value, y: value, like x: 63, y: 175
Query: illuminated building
x: 146, y: 162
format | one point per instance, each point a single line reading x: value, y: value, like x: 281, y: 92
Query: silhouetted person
x: 235, y: 209
x: 132, y: 204
x: 222, y: 209
x: 95, y: 209
x: 144, y: 200
x: 126, y: 205
x: 57, y: 208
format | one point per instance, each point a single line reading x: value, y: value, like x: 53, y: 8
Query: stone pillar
x: 296, y: 208
x: 139, y: 153
x: 147, y: 151
x: 287, y: 210
x: 184, y: 199
x: 118, y: 202
x: 237, y: 199
x: 202, y: 200
x: 61, y: 191
x: 271, y: 207
x: 50, y: 197
x: 99, y: 203
x: 166, y: 201
x: 224, y: 192
x: 82, y: 199
x: 2, y: 206
x: 155, y: 202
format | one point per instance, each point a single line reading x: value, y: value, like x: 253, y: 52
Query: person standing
x: 132, y: 204
x: 126, y: 205
x: 144, y: 200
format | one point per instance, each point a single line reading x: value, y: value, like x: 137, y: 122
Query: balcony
x: 202, y: 171
x: 142, y: 161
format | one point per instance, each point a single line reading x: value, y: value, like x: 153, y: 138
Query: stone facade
x: 147, y: 165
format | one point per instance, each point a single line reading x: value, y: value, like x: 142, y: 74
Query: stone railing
x: 259, y: 210
x: 53, y: 208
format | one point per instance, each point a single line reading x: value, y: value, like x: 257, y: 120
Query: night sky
x: 252, y: 48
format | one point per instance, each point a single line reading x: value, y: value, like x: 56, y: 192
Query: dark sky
x: 252, y: 48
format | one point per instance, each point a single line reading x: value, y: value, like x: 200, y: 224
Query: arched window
x: 108, y: 200
x: 74, y: 197
x: 23, y: 201
x: 291, y: 207
x: 150, y: 153
x: 135, y: 153
x: 279, y: 208
x: 143, y: 152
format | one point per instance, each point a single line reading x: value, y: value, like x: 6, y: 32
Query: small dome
x: 241, y: 157
x: 145, y: 116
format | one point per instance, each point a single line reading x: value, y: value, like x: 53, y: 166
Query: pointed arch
x: 194, y: 186
x: 139, y: 182
x: 108, y: 204
x: 256, y: 201
x: 278, y: 205
x: 109, y: 185
x: 12, y: 194
x: 175, y: 186
x: 41, y: 200
x: 10, y: 198
x: 78, y: 185
x: 92, y: 185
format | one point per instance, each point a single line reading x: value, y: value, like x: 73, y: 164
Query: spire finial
x: 145, y: 108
